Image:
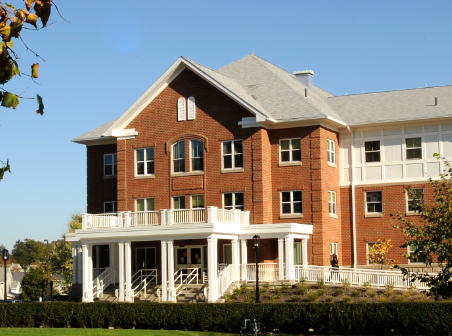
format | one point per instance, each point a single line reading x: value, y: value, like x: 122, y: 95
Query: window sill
x: 108, y: 177
x: 412, y: 213
x: 291, y: 216
x: 143, y: 177
x: 332, y: 165
x: 187, y: 174
x: 373, y: 215
x: 334, y: 216
x: 288, y: 164
x: 234, y: 170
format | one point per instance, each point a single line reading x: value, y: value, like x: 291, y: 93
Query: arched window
x: 197, y: 155
x: 179, y: 157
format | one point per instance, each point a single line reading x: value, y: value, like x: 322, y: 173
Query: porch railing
x: 100, y: 221
x: 184, y: 277
x: 144, y: 218
x: 98, y: 271
x: 102, y: 281
x: 186, y: 216
x: 267, y: 272
x: 225, y: 279
x: 141, y: 279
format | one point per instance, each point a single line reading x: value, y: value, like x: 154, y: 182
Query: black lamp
x: 5, y: 257
x: 256, y: 245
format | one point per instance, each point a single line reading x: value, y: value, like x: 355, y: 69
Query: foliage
x: 302, y: 289
x: 371, y: 293
x: 345, y: 283
x: 346, y: 299
x: 35, y: 284
x: 278, y: 292
x: 367, y: 285
x: 378, y: 254
x: 338, y: 292
x: 321, y: 291
x: 2, y: 247
x: 244, y: 287
x: 312, y: 296
x: 329, y: 299
x: 431, y: 237
x: 285, y: 287
x: 29, y: 252
x: 355, y: 293
x: 389, y: 287
x: 295, y: 298
x: 249, y: 299
x: 321, y: 283
x: 4, y: 167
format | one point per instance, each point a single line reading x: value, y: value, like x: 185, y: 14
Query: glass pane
x: 197, y: 164
x: 150, y: 167
x: 179, y: 202
x: 150, y: 258
x: 239, y: 200
x: 140, y: 168
x: 296, y: 155
x: 195, y: 255
x: 182, y: 256
x: 370, y: 207
x: 228, y: 200
x: 238, y: 161
x: 373, y: 157
x: 196, y: 148
x: 115, y: 158
x: 368, y: 146
x: 179, y: 150
x: 150, y: 204
x: 227, y: 147
x: 297, y: 208
x: 238, y: 147
x: 414, y: 153
x: 179, y: 166
x: 285, y: 196
x: 297, y: 196
x: 286, y: 208
x: 141, y: 258
x: 296, y: 144
x: 115, y: 170
x: 285, y: 144
x: 227, y: 161
x: 378, y: 207
x: 140, y: 154
x: 140, y: 204
x: 227, y: 259
x: 374, y: 196
x: 285, y: 156
x: 115, y: 206
x: 108, y: 159
x: 109, y: 170
x: 150, y: 154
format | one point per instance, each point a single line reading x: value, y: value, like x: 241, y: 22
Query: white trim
x: 191, y: 157
x: 290, y: 151
x: 233, y: 168
x: 172, y: 158
x: 291, y: 203
x: 234, y: 206
x: 332, y: 152
x: 330, y: 192
x: 145, y: 161
x: 114, y: 156
x: 365, y: 202
x: 113, y: 203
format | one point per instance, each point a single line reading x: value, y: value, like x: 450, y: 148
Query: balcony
x: 124, y: 219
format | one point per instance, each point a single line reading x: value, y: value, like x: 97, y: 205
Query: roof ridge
x: 203, y: 66
x: 390, y: 91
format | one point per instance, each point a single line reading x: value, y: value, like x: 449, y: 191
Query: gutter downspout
x: 353, y: 196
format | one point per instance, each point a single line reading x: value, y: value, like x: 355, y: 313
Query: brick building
x: 204, y: 160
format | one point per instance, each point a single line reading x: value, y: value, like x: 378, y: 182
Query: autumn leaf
x: 10, y: 6
x: 42, y: 9
x: 10, y: 100
x: 40, y: 110
x: 34, y: 70
x: 6, y: 32
x: 32, y: 18
x: 15, y: 29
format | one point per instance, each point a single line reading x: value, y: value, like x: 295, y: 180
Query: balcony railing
x: 211, y: 215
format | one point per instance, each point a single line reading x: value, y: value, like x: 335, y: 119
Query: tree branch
x: 59, y: 12
x: 30, y: 49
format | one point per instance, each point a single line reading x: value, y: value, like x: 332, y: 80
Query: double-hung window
x: 333, y: 250
x: 291, y: 203
x: 233, y: 201
x: 197, y: 155
x: 146, y: 214
x: 110, y: 207
x: 331, y: 151
x: 374, y: 203
x: 179, y: 202
x: 372, y: 151
x: 420, y: 258
x: 232, y: 154
x: 110, y: 165
x: 332, y: 202
x: 144, y: 161
x: 145, y: 204
x: 197, y: 201
x: 413, y: 148
x: 179, y: 157
x: 417, y: 197
x: 290, y: 150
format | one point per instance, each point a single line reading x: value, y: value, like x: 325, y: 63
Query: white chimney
x: 305, y: 77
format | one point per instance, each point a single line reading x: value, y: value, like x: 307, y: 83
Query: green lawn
x: 101, y: 332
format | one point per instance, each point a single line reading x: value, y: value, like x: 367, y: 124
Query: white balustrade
x: 100, y: 221
x: 225, y: 279
x: 225, y: 216
x: 187, y: 216
x: 144, y: 218
x: 267, y: 272
x: 244, y: 217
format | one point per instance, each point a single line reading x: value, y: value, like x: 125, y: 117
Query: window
x: 197, y: 201
x: 413, y: 148
x: 145, y: 204
x: 179, y: 202
x: 331, y: 151
x: 374, y: 202
x: 333, y: 250
x: 420, y: 257
x: 145, y: 161
x: 372, y: 151
x: 179, y: 157
x: 110, y: 165
x: 419, y: 197
x: 197, y: 155
x: 291, y: 202
x: 232, y: 154
x: 332, y: 202
x: 110, y: 207
x: 290, y: 150
x: 227, y: 254
x: 233, y: 201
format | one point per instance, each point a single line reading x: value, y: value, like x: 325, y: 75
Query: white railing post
x: 163, y: 217
x: 212, y: 214
x: 247, y: 218
x: 84, y: 224
x: 126, y: 218
x: 169, y: 217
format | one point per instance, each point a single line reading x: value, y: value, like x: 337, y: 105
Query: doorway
x: 192, y: 257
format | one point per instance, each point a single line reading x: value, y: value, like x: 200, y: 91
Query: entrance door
x: 192, y: 257
x: 145, y: 257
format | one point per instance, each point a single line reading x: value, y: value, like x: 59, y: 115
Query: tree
x: 2, y: 247
x: 431, y: 238
x: 378, y: 254
x: 29, y: 252
x: 35, y: 284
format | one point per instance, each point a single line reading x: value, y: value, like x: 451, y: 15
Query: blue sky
x: 112, y: 51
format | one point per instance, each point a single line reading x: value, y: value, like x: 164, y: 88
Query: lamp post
x: 47, y: 265
x: 5, y: 257
x: 256, y: 245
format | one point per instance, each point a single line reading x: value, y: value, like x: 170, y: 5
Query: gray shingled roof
x: 17, y: 276
x: 393, y: 106
x: 95, y: 133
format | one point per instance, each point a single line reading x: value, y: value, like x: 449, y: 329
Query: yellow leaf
x: 32, y: 18
x: 34, y: 70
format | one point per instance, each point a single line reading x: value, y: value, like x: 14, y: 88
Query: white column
x: 80, y: 265
x: 111, y: 257
x: 281, y: 258
x: 97, y: 256
x: 236, y: 258
x: 128, y: 297
x: 244, y: 258
x: 304, y: 251
x: 289, y: 259
x: 90, y: 262
x: 171, y: 292
x: 163, y: 217
x: 164, y: 271
x: 121, y: 274
x: 86, y: 282
x: 212, y: 268
x: 74, y: 265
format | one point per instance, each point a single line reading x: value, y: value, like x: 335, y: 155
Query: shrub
x: 338, y: 292
x: 372, y: 293
x: 295, y: 298
x: 382, y: 299
x: 271, y: 298
x: 389, y: 287
x: 329, y: 299
x: 249, y: 299
x: 228, y: 298
x: 320, y: 292
x: 278, y: 292
x: 266, y: 286
x: 346, y: 299
x: 365, y: 300
x: 321, y: 283
x: 388, y: 293
x: 285, y: 287
x: 237, y: 291
x: 400, y: 298
x: 367, y: 285
x: 355, y: 293
x: 244, y: 287
x: 301, y: 290
x: 312, y: 296
x: 345, y: 283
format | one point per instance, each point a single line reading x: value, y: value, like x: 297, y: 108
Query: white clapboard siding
x: 191, y: 108
x: 181, y: 109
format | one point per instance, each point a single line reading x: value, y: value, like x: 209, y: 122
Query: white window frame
x: 196, y: 157
x: 232, y: 155
x: 196, y: 195
x: 407, y: 149
x: 290, y: 150
x: 113, y: 164
x: 173, y: 159
x: 144, y: 162
x: 178, y: 196
x: 411, y: 199
x: 332, y: 204
x: 234, y: 206
x: 115, y: 205
x: 331, y: 151
x: 291, y: 203
x: 365, y: 201
x: 333, y: 249
x: 414, y: 262
x: 145, y: 203
x: 372, y: 151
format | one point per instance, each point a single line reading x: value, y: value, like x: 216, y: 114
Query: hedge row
x: 291, y: 318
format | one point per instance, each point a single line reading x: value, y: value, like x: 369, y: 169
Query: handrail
x: 140, y: 280
x: 189, y: 278
x: 106, y: 278
x: 267, y: 272
x: 225, y: 279
x: 141, y: 218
